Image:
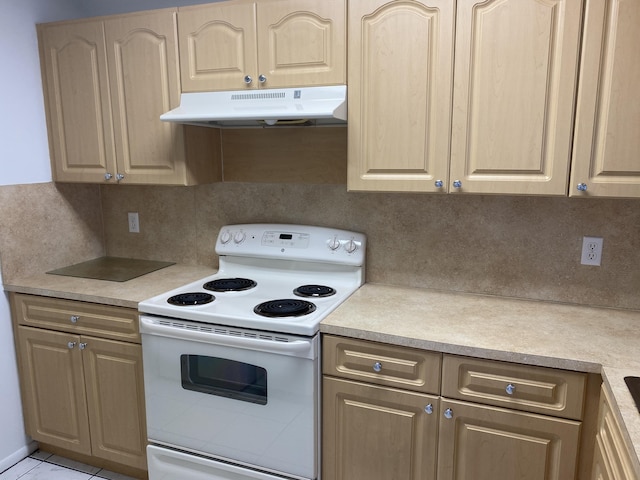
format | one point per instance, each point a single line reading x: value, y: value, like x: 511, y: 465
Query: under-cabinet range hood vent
x: 266, y: 107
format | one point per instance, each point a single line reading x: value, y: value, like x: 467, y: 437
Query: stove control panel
x: 286, y: 239
x: 292, y: 242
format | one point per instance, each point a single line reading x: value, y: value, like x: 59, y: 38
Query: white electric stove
x: 231, y: 362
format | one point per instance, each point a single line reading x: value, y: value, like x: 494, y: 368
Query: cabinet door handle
x: 262, y: 78
x: 377, y: 367
x: 582, y: 187
x: 457, y: 184
x: 119, y: 177
x: 448, y: 413
x: 439, y: 184
x: 82, y: 345
x: 511, y: 389
x: 74, y: 318
x: 71, y: 345
x: 247, y: 79
x: 428, y: 409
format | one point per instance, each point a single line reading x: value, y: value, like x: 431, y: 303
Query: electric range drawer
x: 382, y: 364
x: 71, y: 316
x: 533, y: 389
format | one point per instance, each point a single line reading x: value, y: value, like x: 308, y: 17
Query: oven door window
x: 225, y: 378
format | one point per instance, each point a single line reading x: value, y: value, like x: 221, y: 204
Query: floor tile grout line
x: 35, y: 466
x: 68, y: 468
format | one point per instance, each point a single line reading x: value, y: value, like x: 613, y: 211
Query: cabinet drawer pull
x: 74, y: 318
x: 448, y: 413
x: 511, y: 389
x: 71, y: 345
x: 377, y: 367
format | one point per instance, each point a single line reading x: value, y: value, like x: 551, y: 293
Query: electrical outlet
x: 591, y: 251
x: 134, y: 222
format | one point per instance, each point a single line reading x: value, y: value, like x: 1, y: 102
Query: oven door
x: 237, y: 395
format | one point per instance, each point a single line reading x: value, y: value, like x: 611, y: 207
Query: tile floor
x: 45, y: 466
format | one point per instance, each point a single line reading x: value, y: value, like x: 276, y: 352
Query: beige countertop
x: 120, y: 294
x: 585, y: 339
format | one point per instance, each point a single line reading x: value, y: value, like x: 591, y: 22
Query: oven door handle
x: 303, y: 348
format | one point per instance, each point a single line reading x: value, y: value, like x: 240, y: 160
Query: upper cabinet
x: 606, y: 157
x: 400, y: 76
x: 76, y: 87
x: 267, y: 44
x: 106, y: 84
x: 513, y: 96
x: 514, y: 80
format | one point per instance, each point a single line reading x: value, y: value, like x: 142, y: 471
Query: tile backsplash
x: 526, y: 247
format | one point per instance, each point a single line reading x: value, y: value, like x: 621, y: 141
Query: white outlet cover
x: 134, y: 222
x: 591, y: 251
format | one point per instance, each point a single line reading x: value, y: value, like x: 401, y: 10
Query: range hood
x: 264, y: 107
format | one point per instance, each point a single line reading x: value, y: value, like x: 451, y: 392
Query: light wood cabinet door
x: 400, y: 76
x: 377, y: 433
x: 606, y: 157
x: 513, y: 97
x: 217, y: 46
x: 486, y: 443
x: 142, y: 56
x: 301, y: 43
x: 52, y: 379
x: 271, y: 44
x: 115, y: 397
x: 76, y: 88
x: 611, y: 457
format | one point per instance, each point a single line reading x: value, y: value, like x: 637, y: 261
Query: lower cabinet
x: 611, y: 460
x: 81, y: 393
x: 478, y: 442
x: 373, y: 432
x: 378, y: 423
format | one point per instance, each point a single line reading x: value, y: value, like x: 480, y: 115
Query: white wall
x: 24, y: 158
x: 24, y: 152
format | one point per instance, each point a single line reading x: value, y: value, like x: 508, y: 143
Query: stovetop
x: 278, y: 259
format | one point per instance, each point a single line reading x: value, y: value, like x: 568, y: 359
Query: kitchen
x: 524, y: 247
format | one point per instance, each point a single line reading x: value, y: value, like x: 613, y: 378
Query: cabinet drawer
x: 106, y: 321
x: 534, y: 389
x: 381, y: 364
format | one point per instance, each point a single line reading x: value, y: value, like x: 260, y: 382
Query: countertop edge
x: 119, y: 294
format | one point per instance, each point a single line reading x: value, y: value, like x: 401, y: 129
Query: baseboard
x: 18, y: 455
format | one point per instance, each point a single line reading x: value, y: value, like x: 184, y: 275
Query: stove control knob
x: 351, y: 246
x: 239, y: 237
x: 334, y: 243
x: 225, y: 237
